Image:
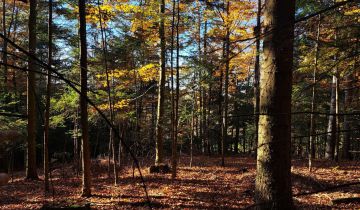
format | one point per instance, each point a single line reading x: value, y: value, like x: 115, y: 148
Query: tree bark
x: 273, y: 178
x: 206, y: 93
x: 86, y: 174
x: 31, y: 172
x: 220, y: 107
x: 337, y: 120
x: 110, y: 101
x: 4, y: 45
x: 237, y: 133
x: 257, y: 73
x: 173, y: 143
x: 47, y: 103
x: 177, y: 97
x: 192, y: 132
x: 311, y: 154
x: 349, y: 82
x: 226, y: 89
x: 331, y: 136
x: 161, y: 91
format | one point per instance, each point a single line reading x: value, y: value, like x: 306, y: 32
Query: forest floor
x: 203, y: 186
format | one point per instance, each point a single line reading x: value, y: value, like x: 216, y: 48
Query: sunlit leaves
x: 149, y: 72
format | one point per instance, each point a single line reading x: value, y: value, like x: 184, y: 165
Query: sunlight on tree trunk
x: 161, y: 90
x: 331, y: 136
x: 273, y: 182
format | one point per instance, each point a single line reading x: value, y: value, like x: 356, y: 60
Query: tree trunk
x: 206, y: 99
x: 237, y: 134
x: 86, y: 176
x: 192, y: 133
x: 201, y: 89
x: 313, y: 102
x: 337, y: 120
x: 76, y: 157
x: 110, y: 101
x: 161, y: 94
x: 226, y: 87
x: 47, y: 105
x: 257, y: 73
x: 220, y: 107
x: 16, y: 108
x: 331, y: 136
x: 177, y: 97
x: 31, y: 172
x: 244, y: 138
x: 273, y: 178
x: 173, y: 143
x: 4, y: 45
x: 349, y: 82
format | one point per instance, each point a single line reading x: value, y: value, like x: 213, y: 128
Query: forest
x: 180, y: 104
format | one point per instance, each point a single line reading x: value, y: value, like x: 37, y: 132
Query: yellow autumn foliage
x: 148, y: 72
x: 121, y: 104
x: 145, y: 73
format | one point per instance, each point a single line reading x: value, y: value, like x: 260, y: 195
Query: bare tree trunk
x: 153, y: 119
x: 311, y: 154
x: 226, y: 87
x: 121, y: 149
x: 110, y: 102
x: 220, y: 107
x: 161, y: 94
x: 31, y: 172
x: 257, y: 73
x: 16, y: 108
x: 337, y: 137
x: 331, y: 136
x: 85, y: 149
x: 173, y: 145
x: 201, y: 96
x: 273, y: 178
x: 208, y: 117
x: 237, y: 135
x: 47, y: 105
x: 175, y: 156
x: 192, y: 134
x: 76, y: 144
x: 177, y: 77
x: 206, y: 98
x: 4, y: 45
x: 244, y: 138
x: 349, y: 83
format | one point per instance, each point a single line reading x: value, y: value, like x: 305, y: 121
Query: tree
x: 257, y: 71
x: 174, y: 98
x: 4, y: 45
x: 313, y: 102
x: 349, y: 83
x: 86, y: 176
x: 110, y: 102
x: 31, y: 172
x: 224, y: 131
x: 331, y: 129
x: 47, y: 103
x: 161, y: 90
x: 175, y: 155
x: 273, y: 182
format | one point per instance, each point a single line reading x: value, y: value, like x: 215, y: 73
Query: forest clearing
x: 202, y: 186
x: 196, y: 104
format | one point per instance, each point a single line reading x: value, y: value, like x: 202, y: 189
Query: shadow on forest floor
x: 206, y: 185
